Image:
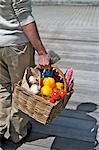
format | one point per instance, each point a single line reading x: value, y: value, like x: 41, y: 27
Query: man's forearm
x: 32, y: 34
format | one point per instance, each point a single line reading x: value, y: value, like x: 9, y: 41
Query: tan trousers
x: 13, y: 61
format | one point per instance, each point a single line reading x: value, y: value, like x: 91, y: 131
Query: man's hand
x: 44, y: 60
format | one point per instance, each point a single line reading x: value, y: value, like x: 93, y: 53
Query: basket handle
x: 61, y: 73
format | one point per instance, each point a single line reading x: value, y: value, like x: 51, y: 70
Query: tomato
x: 55, y: 94
x: 55, y: 90
x: 52, y: 100
x: 62, y: 93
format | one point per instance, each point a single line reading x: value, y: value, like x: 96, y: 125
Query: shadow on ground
x: 82, y: 113
x: 71, y: 130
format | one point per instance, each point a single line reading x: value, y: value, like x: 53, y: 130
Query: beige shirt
x: 13, y: 15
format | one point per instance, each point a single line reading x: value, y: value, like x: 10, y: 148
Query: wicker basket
x: 36, y: 106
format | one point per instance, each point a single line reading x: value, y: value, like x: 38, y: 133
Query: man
x: 18, y: 39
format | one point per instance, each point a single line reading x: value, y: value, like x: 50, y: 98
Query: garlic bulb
x: 32, y: 80
x: 34, y: 88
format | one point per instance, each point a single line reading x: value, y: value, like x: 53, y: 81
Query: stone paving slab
x: 73, y: 32
x: 65, y: 2
x: 68, y: 22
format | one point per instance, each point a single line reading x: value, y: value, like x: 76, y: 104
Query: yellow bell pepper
x: 46, y: 90
x: 49, y: 81
x: 59, y: 85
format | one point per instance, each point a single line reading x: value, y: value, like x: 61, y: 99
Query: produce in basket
x: 43, y: 107
x: 31, y: 80
x: 47, y: 83
x: 55, y: 83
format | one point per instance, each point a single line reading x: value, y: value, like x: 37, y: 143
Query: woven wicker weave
x: 36, y: 106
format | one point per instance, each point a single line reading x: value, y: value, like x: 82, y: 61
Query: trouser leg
x: 5, y: 107
x: 5, y: 98
x: 17, y: 59
x: 5, y: 95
